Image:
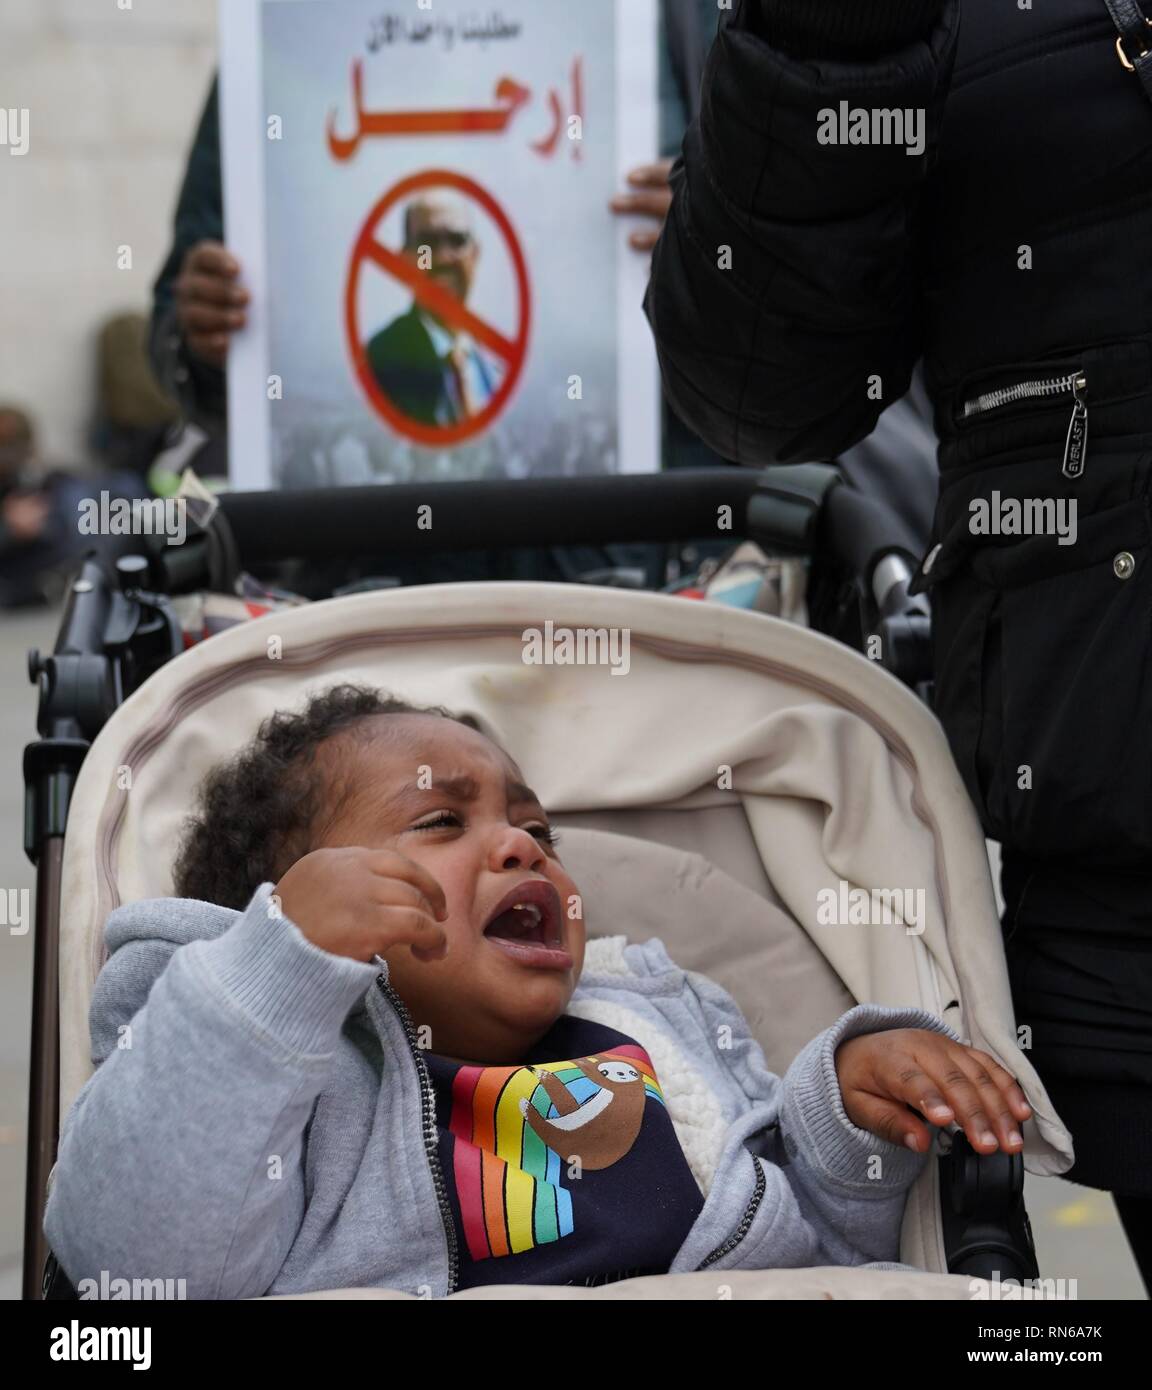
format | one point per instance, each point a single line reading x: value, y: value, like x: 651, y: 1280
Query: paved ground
x: 1076, y: 1229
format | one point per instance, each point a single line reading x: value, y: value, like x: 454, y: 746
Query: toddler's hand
x: 363, y: 902
x: 881, y: 1075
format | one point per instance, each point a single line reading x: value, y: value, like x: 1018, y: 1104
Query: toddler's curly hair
x: 255, y: 812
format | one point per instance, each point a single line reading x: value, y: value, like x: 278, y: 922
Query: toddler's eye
x: 545, y: 833
x: 442, y: 819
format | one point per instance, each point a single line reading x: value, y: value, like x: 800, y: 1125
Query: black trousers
x: 1136, y: 1218
x: 1078, y: 940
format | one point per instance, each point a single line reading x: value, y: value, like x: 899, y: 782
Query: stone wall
x: 112, y: 90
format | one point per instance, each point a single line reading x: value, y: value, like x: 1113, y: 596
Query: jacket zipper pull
x: 1076, y: 445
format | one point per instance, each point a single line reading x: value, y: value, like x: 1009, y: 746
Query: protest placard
x: 418, y: 195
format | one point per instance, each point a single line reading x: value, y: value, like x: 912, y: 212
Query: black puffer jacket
x: 849, y: 262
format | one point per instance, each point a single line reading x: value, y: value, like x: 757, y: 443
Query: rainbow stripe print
x: 508, y: 1181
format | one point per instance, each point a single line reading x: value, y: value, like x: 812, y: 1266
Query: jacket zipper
x: 428, y: 1128
x: 1076, y: 444
x: 745, y: 1221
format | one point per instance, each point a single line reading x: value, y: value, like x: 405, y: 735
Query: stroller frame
x: 119, y: 626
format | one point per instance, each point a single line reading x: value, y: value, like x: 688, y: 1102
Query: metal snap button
x: 1123, y: 565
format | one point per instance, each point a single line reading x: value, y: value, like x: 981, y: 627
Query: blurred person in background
x: 40, y: 538
x: 26, y: 531
x: 133, y: 419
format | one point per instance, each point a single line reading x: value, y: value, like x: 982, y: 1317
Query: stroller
x: 743, y: 769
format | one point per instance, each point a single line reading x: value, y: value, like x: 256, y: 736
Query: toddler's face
x: 448, y: 798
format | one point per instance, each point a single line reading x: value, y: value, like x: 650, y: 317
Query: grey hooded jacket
x: 261, y: 1120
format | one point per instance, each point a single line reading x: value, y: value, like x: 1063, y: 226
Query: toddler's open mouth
x: 528, y: 925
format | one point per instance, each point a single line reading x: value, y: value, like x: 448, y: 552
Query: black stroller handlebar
x: 803, y: 509
x: 489, y: 514
x: 791, y: 508
x: 118, y: 599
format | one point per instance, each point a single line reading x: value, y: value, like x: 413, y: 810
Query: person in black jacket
x: 867, y: 185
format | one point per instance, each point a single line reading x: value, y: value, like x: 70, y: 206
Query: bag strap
x: 1134, y: 46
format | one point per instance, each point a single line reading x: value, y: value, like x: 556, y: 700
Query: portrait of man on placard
x: 431, y: 370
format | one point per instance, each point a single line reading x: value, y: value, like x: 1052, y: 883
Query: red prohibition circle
x: 363, y: 250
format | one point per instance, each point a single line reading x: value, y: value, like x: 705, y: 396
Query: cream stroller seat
x: 738, y: 779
